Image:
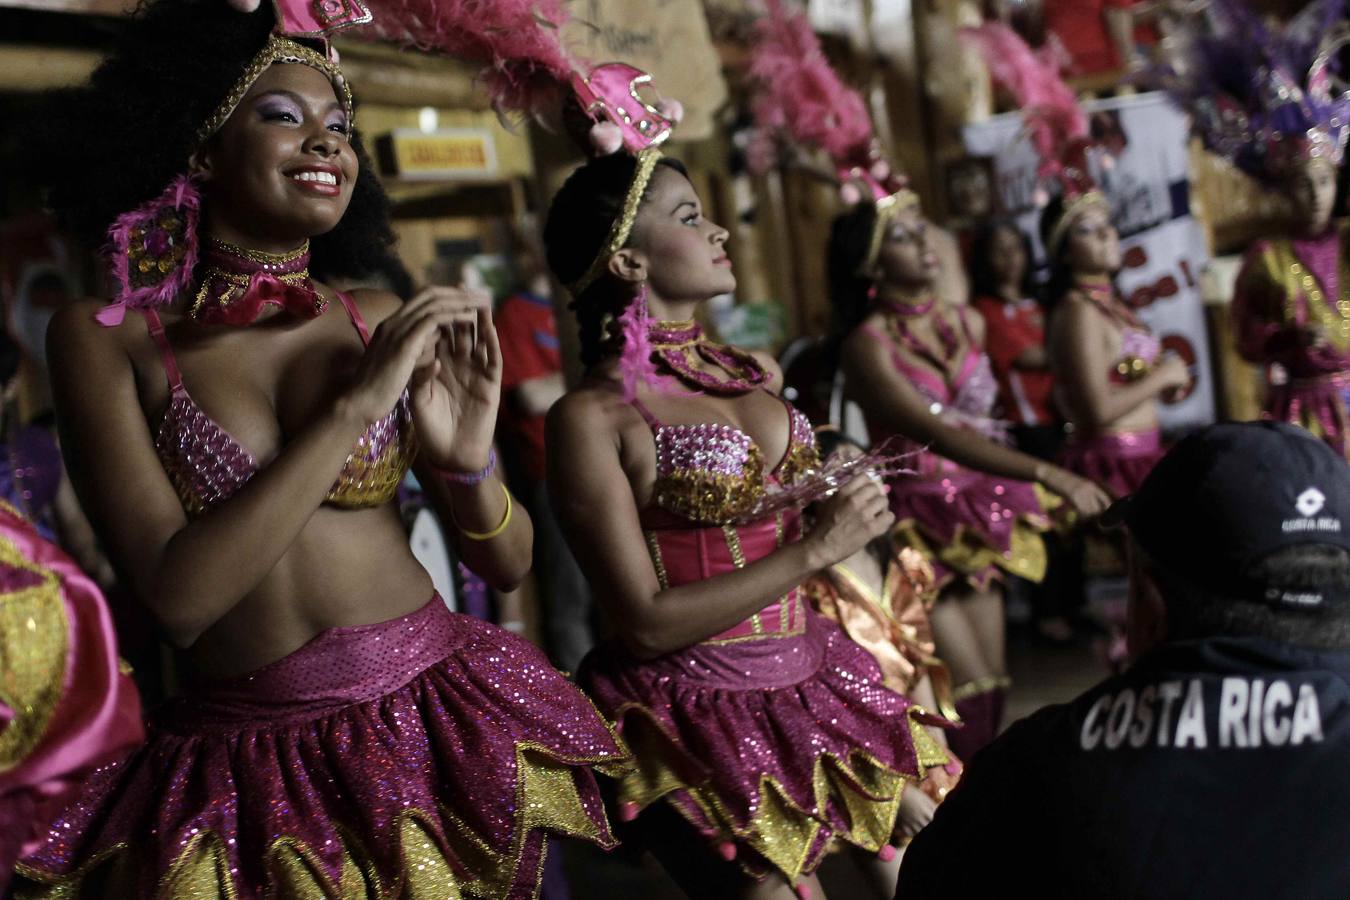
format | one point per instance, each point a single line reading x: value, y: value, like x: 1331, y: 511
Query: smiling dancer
x: 237, y: 439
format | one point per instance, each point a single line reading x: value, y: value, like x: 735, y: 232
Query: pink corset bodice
x: 707, y: 476
x: 207, y: 465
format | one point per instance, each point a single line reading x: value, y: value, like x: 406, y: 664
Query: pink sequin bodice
x: 707, y: 476
x: 1138, y: 344
x: 712, y: 473
x: 207, y: 465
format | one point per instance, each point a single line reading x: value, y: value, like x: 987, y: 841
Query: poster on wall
x: 1149, y: 189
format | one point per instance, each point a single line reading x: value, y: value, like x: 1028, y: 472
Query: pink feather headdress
x: 800, y: 99
x: 1052, y: 118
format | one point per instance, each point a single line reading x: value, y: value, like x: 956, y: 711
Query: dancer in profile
x: 237, y: 430
x: 764, y: 737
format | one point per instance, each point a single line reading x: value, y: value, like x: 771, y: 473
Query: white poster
x: 1148, y: 185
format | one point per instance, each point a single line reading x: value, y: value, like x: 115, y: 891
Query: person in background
x: 1111, y: 371
x: 1238, y: 701
x: 33, y: 478
x: 1004, y: 293
x: 532, y: 381
x: 975, y: 507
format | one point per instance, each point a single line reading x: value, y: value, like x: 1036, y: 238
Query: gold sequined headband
x: 1071, y: 209
x: 622, y: 228
x: 277, y: 50
x: 888, y: 208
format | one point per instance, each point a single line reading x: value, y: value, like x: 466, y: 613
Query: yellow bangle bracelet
x: 488, y: 535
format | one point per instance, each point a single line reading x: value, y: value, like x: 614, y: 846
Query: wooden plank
x: 82, y: 7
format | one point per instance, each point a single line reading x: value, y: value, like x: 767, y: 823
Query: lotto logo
x: 1310, y: 502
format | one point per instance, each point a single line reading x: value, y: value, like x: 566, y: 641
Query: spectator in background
x: 1217, y: 764
x: 1004, y: 293
x: 532, y: 381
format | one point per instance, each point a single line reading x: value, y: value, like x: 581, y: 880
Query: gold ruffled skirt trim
x: 968, y: 557
x: 787, y: 836
x: 459, y: 866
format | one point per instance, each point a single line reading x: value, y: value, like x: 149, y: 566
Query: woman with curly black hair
x: 237, y: 445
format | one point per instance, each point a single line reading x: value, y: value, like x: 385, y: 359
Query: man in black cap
x: 1218, y: 764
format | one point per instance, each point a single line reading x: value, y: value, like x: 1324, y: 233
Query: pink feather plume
x: 635, y: 363
x: 1049, y: 107
x: 179, y: 203
x: 518, y: 42
x: 799, y: 96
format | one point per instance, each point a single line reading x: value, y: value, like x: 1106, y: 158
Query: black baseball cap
x: 1233, y: 493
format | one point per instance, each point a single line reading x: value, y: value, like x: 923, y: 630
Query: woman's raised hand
x: 848, y: 521
x: 457, y: 388
x: 404, y: 343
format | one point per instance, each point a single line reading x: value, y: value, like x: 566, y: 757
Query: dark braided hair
x: 579, y: 220
x: 850, y: 290
x: 168, y: 71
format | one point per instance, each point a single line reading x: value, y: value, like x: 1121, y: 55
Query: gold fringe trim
x: 981, y: 686
x: 469, y: 867
x: 781, y: 831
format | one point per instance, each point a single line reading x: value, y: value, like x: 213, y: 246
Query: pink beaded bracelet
x: 472, y: 477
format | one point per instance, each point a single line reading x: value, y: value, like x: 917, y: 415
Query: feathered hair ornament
x: 1052, y: 119
x: 799, y: 100
x: 1266, y: 98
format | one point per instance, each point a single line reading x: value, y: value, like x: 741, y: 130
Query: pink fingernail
x: 804, y: 891
x: 886, y: 853
x: 727, y: 850
x: 628, y: 811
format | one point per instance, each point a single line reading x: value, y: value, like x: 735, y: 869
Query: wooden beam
x: 82, y: 7
x: 25, y: 68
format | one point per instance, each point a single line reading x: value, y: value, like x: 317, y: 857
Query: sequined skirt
x: 426, y: 756
x: 775, y: 749
x: 1317, y: 404
x: 969, y: 525
x: 1118, y: 461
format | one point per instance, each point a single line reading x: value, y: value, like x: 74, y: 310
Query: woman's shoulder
x: 374, y: 304
x: 75, y: 325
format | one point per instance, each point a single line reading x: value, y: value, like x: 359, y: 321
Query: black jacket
x: 1216, y: 768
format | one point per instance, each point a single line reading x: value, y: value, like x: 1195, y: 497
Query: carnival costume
x: 66, y: 704
x: 893, y: 627
x: 1268, y: 99
x: 776, y: 739
x: 1118, y: 460
x: 427, y: 755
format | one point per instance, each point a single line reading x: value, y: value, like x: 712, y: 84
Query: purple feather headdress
x: 1265, y: 98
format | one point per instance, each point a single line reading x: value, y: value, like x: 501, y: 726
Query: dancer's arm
x: 599, y: 515
x: 1083, y: 370
x: 455, y: 395
x: 887, y: 395
x: 191, y: 573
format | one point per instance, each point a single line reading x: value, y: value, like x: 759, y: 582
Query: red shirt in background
x: 1011, y: 328
x: 1081, y: 26
x: 528, y: 332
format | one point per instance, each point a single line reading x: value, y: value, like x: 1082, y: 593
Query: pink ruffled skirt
x: 774, y: 748
x: 1117, y: 461
x: 971, y: 526
x: 430, y: 754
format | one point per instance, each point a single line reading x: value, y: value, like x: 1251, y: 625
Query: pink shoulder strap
x: 355, y: 315
x: 165, y: 351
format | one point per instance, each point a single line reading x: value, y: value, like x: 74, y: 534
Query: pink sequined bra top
x: 712, y: 474
x: 207, y: 465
